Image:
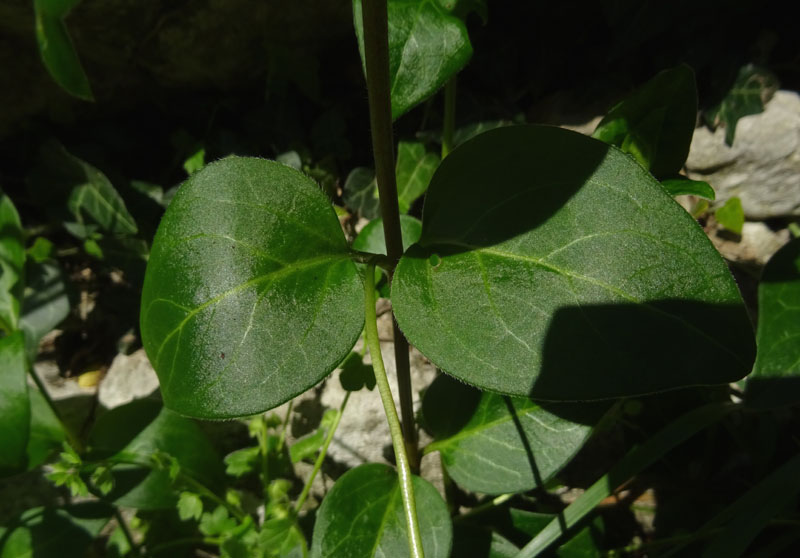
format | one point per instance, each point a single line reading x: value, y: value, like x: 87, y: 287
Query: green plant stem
x: 126, y: 531
x: 285, y: 426
x: 264, y: 453
x: 72, y: 438
x: 486, y: 506
x: 403, y: 468
x: 376, y: 53
x: 321, y: 457
x: 449, y: 116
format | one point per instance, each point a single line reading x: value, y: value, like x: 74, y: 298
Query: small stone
x: 129, y: 377
x: 762, y: 167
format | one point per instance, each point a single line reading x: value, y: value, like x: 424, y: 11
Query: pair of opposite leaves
x: 550, y: 265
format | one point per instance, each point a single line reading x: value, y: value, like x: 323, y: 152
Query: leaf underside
x: 250, y: 296
x: 553, y: 266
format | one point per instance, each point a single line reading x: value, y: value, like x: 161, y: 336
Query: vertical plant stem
x: 403, y: 468
x: 263, y: 444
x: 126, y: 532
x: 449, y: 116
x: 376, y: 53
x: 321, y: 457
x: 285, y: 425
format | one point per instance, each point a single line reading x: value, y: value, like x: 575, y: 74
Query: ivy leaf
x: 14, y: 405
x: 537, y: 241
x: 56, y: 49
x: 281, y: 537
x: 12, y: 261
x: 250, y: 295
x: 731, y: 215
x: 217, y: 522
x: 427, y: 46
x: 362, y: 515
x: 655, y: 123
x: 414, y: 170
x: 241, y: 462
x: 372, y: 240
x: 190, y: 506
x: 528, y: 443
x: 753, y: 87
x: 775, y: 380
x: 360, y: 193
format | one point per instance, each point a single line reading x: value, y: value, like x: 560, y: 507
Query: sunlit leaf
x: 731, y: 215
x: 15, y: 412
x: 250, y: 296
x: 12, y: 261
x: 553, y: 266
x: 427, y: 46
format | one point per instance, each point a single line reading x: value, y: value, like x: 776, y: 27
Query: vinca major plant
x: 552, y: 280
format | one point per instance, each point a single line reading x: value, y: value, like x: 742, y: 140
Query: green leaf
x: 45, y: 305
x: 282, y: 538
x: 217, y: 522
x: 250, y: 296
x: 57, y: 8
x: 427, y: 46
x: 462, y: 8
x: 536, y: 241
x: 307, y: 446
x: 656, y: 122
x: 55, y: 533
x: 753, y: 87
x: 190, y: 506
x: 414, y: 170
x: 686, y: 187
x: 731, y: 215
x: 242, y: 462
x: 135, y: 433
x: 528, y: 444
x: 12, y: 261
x: 362, y: 516
x: 372, y: 240
x: 90, y: 196
x: 360, y: 193
x: 56, y: 49
x: 775, y: 380
x: 355, y: 374
x: 41, y: 250
x: 46, y: 433
x: 15, y: 409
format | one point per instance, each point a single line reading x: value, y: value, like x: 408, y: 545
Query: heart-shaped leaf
x: 775, y: 380
x: 362, y: 516
x: 553, y: 266
x: 427, y: 46
x: 656, y: 122
x: 506, y: 444
x: 15, y: 410
x: 250, y: 296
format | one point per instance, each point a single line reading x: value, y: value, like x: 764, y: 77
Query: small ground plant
x: 552, y: 279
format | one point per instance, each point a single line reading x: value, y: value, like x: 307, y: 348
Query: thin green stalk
x: 491, y: 504
x: 126, y: 531
x: 449, y: 116
x: 403, y: 468
x: 263, y: 450
x: 376, y: 53
x: 321, y: 457
x: 72, y: 438
x: 285, y: 426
